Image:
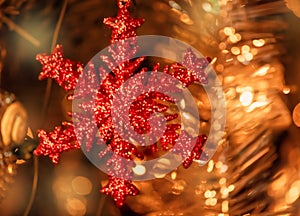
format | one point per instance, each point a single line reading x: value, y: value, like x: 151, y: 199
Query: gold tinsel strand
x: 250, y: 60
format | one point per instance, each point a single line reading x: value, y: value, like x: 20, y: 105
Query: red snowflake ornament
x: 99, y: 104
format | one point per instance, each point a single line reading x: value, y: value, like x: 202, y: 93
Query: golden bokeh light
x: 258, y: 42
x: 246, y: 98
x: 296, y: 115
x: 139, y: 170
x: 82, y: 185
x: 235, y: 50
x: 75, y: 207
x: 229, y: 31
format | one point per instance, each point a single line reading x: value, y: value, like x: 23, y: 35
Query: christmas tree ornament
x: 13, y: 120
x: 66, y: 73
x: 13, y: 132
x: 9, y: 9
x: 7, y: 171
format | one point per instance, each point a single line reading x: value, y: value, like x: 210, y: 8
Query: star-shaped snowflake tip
x: 54, y: 143
x: 65, y: 71
x: 123, y: 25
x: 119, y: 189
x: 196, y: 65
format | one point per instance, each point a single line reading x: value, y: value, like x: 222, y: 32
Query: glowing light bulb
x: 174, y: 5
x: 222, y: 181
x: 207, y: 7
x: 213, y: 202
x: 246, y: 98
x: 241, y: 58
x: 286, y: 90
x: 186, y: 19
x: 10, y: 169
x: 248, y: 56
x: 173, y: 175
x: 258, y: 43
x: 222, y: 46
x: 262, y: 71
x: 220, y: 67
x: 245, y: 49
x: 235, y: 50
x: 238, y: 36
x: 225, y: 206
x: 210, y: 166
x: 231, y: 188
x: 207, y: 194
x: 233, y: 39
x: 139, y: 170
x: 229, y: 31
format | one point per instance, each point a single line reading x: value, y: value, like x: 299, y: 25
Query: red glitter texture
x: 123, y: 25
x: 119, y: 189
x: 196, y: 153
x: 54, y: 143
x: 64, y: 71
x: 66, y: 74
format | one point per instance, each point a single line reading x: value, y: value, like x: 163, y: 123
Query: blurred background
x: 72, y: 187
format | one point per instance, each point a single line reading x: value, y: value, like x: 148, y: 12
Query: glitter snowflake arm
x: 123, y: 26
x: 64, y: 71
x: 119, y: 189
x: 52, y: 144
x: 196, y: 66
x: 196, y: 152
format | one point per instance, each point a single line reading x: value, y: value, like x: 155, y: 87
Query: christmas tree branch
x: 20, y: 31
x: 54, y: 41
